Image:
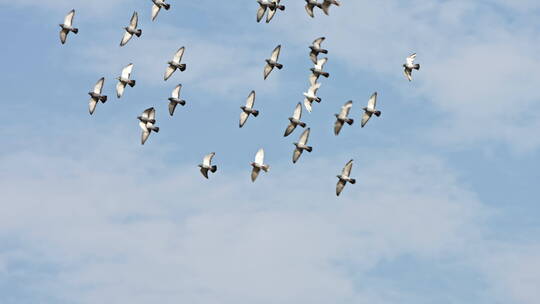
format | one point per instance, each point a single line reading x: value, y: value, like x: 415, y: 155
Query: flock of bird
x: 147, y: 120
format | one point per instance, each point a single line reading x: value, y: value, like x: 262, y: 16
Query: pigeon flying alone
x: 175, y: 63
x: 207, y: 165
x: 272, y: 62
x: 258, y: 165
x: 410, y: 66
x: 345, y: 178
x: 370, y: 109
x: 343, y: 117
x: 175, y: 99
x: 95, y: 96
x: 301, y: 145
x: 316, y: 49
x: 147, y: 122
x: 156, y: 7
x: 124, y: 80
x: 317, y: 71
x: 248, y: 109
x: 67, y: 26
x: 131, y: 29
x: 311, y: 96
x: 295, y: 120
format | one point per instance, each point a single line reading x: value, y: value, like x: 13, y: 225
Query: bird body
x: 272, y: 62
x: 370, y: 110
x: 67, y: 26
x: 258, y: 165
x: 345, y: 177
x: 295, y: 120
x: 124, y: 80
x: 301, y: 145
x: 175, y: 99
x: 409, y: 66
x: 175, y: 63
x: 207, y: 165
x: 131, y: 29
x: 147, y: 122
x: 248, y: 109
x: 311, y: 96
x: 156, y: 7
x: 95, y: 95
x: 343, y: 117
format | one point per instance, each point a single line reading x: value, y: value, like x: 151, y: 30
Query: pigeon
x: 175, y: 99
x: 124, y: 80
x: 345, y: 178
x: 207, y: 165
x: 272, y: 62
x: 175, y: 63
x: 311, y: 96
x: 317, y: 71
x: 67, y: 26
x: 248, y: 109
x: 258, y: 165
x: 156, y: 7
x: 95, y: 96
x: 310, y: 5
x: 147, y: 121
x: 410, y: 66
x: 370, y: 109
x: 316, y: 49
x: 343, y: 117
x: 131, y: 29
x: 326, y: 5
x: 295, y: 120
x: 301, y: 145
x: 272, y: 9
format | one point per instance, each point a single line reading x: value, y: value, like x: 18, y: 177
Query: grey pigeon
x: 175, y: 99
x: 147, y: 122
x: 343, y: 117
x: 410, y: 66
x: 124, y: 80
x: 67, y: 26
x: 272, y: 62
x: 317, y: 71
x: 326, y: 5
x: 207, y: 165
x: 95, y: 96
x: 370, y: 109
x: 175, y: 63
x: 295, y: 120
x: 311, y: 96
x: 156, y: 7
x: 248, y: 109
x: 258, y: 165
x: 131, y: 29
x: 273, y: 8
x: 316, y: 49
x: 345, y: 178
x: 301, y: 145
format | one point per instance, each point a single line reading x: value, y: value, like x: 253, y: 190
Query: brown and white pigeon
x: 343, y: 117
x: 258, y: 165
x: 207, y: 165
x: 370, y: 109
x: 301, y: 145
x: 345, y: 177
x: 131, y: 29
x: 316, y: 49
x: 294, y: 121
x: 272, y: 62
x: 95, y: 96
x: 248, y: 109
x: 67, y: 26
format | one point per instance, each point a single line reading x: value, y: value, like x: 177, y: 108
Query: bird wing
x: 345, y: 109
x: 410, y: 59
x: 290, y: 129
x: 120, y: 87
x: 146, y: 115
x: 408, y: 73
x: 308, y: 105
x: 260, y: 13
x: 275, y: 53
x: 172, y: 107
x: 320, y: 63
x: 144, y: 136
x: 313, y: 79
x: 134, y: 21
x: 255, y: 173
x: 271, y: 13
x: 169, y: 71
x: 314, y: 88
x: 304, y: 137
x: 250, y: 101
x: 259, y: 157
x: 337, y: 126
x: 125, y: 39
x: 176, y: 91
x: 92, y: 105
x: 296, y: 155
x: 339, y: 187
x: 243, y: 118
x: 309, y: 10
x: 151, y: 113
x: 372, y: 103
x: 99, y: 85
x: 326, y: 5
x: 313, y: 57
x: 63, y: 35
x: 207, y: 161
x: 267, y: 70
x: 126, y: 72
x: 178, y: 55
x: 68, y: 20
x: 365, y: 118
x: 317, y: 42
x: 155, y: 11
x: 204, y: 172
x: 297, y: 112
x: 346, y: 172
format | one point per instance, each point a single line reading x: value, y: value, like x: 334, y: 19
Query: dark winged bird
x: 207, y: 165
x: 370, y: 109
x: 67, y: 26
x: 294, y: 121
x: 272, y: 62
x: 345, y: 178
x: 310, y: 5
x: 124, y: 80
x: 95, y: 96
x: 327, y: 4
x: 175, y: 63
x: 410, y: 66
x: 317, y: 71
x: 156, y: 7
x: 258, y: 165
x: 272, y: 6
x: 301, y: 145
x: 316, y: 49
x: 343, y: 117
x: 147, y: 122
x: 248, y: 109
x: 175, y: 99
x: 131, y: 29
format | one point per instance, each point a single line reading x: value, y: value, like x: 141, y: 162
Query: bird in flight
x: 96, y: 96
x: 131, y: 29
x: 370, y: 109
x: 345, y: 177
x: 67, y: 26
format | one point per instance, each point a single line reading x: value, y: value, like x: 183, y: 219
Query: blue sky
x: 444, y: 211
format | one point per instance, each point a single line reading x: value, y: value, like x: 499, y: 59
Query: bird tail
x: 318, y: 99
x: 182, y: 102
x: 302, y: 124
x: 167, y: 6
x: 326, y: 74
x: 132, y: 83
x: 213, y: 169
x: 324, y: 51
x: 156, y: 129
x: 103, y: 99
x: 75, y: 30
x: 255, y: 113
x: 266, y: 168
x: 350, y: 121
x: 281, y: 7
x: 377, y: 113
x: 309, y: 149
x: 138, y: 33
x: 417, y: 66
x: 352, y: 181
x: 182, y: 67
x: 279, y: 66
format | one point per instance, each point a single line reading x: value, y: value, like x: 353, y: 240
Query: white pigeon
x: 175, y: 99
x: 295, y: 120
x: 311, y: 96
x: 272, y: 62
x: 248, y: 109
x: 95, y: 96
x: 258, y: 165
x: 316, y: 49
x: 156, y: 7
x: 343, y: 117
x: 410, y: 66
x: 310, y: 5
x: 131, y: 29
x: 326, y: 5
x: 207, y: 165
x: 301, y: 145
x: 273, y: 8
x: 124, y: 80
x: 345, y: 178
x: 67, y: 26
x: 147, y: 122
x: 317, y: 71
x: 370, y: 109
x: 175, y: 64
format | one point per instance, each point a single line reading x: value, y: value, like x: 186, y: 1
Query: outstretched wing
x: 410, y: 59
x: 151, y: 113
x: 172, y: 107
x: 207, y: 161
x: 372, y: 103
x: 168, y: 72
x: 255, y: 173
x: 176, y: 91
x: 408, y: 73
x: 267, y: 70
x: 275, y: 53
x: 326, y: 5
x: 134, y: 21
x: 337, y: 126
x: 290, y: 129
x: 317, y: 42
x: 155, y: 11
x: 243, y: 118
x: 99, y: 85
x: 126, y: 72
x: 297, y: 112
x: 308, y: 105
x: 144, y: 136
x: 347, y: 169
x: 250, y: 101
x: 125, y: 39
x: 259, y: 157
x: 304, y: 137
x: 320, y: 63
x: 346, y: 108
x: 271, y: 13
x: 339, y: 187
x: 260, y: 13
x: 92, y: 105
x: 63, y: 35
x: 120, y: 87
x: 296, y: 155
x: 365, y: 118
x: 68, y: 20
x: 178, y: 55
x: 309, y: 10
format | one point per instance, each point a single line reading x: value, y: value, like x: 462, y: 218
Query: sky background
x: 446, y: 205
